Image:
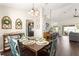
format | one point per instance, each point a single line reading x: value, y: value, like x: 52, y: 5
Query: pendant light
x: 34, y: 11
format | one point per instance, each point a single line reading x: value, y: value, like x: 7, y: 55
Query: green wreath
x: 19, y: 23
x: 6, y: 21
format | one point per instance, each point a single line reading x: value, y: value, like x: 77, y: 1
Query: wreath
x: 6, y: 21
x: 19, y: 23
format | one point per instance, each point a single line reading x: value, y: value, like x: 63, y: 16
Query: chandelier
x: 34, y: 11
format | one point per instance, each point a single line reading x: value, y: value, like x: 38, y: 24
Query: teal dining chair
x: 53, y: 45
x: 14, y: 45
x: 52, y: 50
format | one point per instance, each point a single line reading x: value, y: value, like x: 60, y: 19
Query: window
x: 69, y: 28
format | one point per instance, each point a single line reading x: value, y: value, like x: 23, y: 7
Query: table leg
x: 36, y: 53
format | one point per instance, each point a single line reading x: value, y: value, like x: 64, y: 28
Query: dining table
x: 34, y: 45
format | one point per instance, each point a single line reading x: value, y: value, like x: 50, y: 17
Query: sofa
x: 73, y: 36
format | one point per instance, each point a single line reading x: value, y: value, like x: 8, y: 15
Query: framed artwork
x: 6, y: 22
x: 47, y: 26
x: 18, y: 24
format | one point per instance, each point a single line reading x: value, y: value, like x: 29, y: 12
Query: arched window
x: 18, y: 24
x: 6, y: 22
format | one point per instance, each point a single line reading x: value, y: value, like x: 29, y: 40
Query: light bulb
x: 34, y: 12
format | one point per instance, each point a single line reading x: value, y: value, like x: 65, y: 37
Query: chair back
x: 14, y: 45
x: 54, y: 35
x: 53, y: 47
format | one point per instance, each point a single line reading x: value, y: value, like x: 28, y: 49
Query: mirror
x: 30, y: 28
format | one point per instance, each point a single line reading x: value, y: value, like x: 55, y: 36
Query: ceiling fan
x: 76, y: 13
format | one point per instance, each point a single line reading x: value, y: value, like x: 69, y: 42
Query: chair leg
x: 54, y: 53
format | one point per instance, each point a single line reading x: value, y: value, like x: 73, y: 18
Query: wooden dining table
x: 35, y: 47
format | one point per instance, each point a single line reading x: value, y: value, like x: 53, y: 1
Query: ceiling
x: 30, y: 5
x: 60, y: 11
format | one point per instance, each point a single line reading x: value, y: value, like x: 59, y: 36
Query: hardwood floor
x: 64, y: 47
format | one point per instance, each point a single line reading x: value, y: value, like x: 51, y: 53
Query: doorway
x: 56, y: 29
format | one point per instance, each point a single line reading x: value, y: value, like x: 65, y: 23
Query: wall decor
x: 18, y: 24
x: 47, y: 26
x: 6, y: 22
